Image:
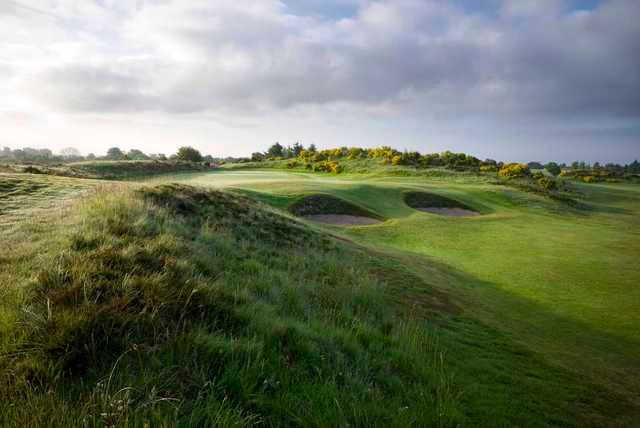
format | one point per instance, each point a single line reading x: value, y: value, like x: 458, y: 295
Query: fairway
x: 524, y: 313
x: 564, y: 283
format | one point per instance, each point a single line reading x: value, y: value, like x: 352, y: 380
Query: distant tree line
x: 71, y: 154
x: 327, y: 160
x: 556, y: 169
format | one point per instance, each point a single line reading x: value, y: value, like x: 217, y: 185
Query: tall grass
x: 176, y: 306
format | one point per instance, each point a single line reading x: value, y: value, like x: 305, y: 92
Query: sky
x: 513, y: 80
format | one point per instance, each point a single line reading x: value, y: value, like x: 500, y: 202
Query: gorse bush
x: 327, y: 166
x: 385, y: 155
x: 546, y: 183
x: 514, y: 170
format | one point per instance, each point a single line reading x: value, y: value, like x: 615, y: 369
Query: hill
x: 169, y: 304
x: 108, y: 170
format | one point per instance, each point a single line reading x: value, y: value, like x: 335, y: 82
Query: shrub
x: 553, y: 168
x: 355, y: 153
x: 328, y: 166
x: 514, y: 170
x: 537, y: 175
x: 32, y: 170
x: 546, y: 183
x: 292, y: 164
x: 396, y: 160
x: 318, y: 157
x: 488, y: 168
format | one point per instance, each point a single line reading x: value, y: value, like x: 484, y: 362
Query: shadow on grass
x: 564, y: 369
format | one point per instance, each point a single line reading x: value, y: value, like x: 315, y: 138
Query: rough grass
x: 557, y: 280
x: 24, y: 196
x: 172, y: 305
x: 108, y: 170
x: 193, y: 308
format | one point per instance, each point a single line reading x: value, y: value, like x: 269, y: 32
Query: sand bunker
x: 342, y: 219
x: 438, y: 204
x: 450, y: 212
x: 328, y: 209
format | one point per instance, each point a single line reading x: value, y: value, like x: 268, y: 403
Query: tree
x: 91, y: 156
x: 257, y: 157
x: 312, y: 148
x: 535, y: 165
x: 297, y: 148
x: 553, y: 168
x: 275, y: 151
x: 114, y: 153
x: 189, y: 154
x: 287, y: 152
x: 70, y: 153
x: 135, y: 154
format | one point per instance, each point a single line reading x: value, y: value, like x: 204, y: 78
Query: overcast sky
x: 508, y: 79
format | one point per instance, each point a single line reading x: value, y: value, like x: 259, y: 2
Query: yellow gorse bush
x: 514, y: 170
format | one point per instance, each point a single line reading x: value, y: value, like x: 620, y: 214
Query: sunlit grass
x: 178, y: 305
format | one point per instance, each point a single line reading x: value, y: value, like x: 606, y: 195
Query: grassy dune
x: 107, y: 170
x: 170, y: 304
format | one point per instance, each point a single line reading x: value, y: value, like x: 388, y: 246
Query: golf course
x: 252, y: 295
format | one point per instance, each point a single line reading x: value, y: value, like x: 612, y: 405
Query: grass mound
x: 431, y: 200
x: 108, y: 170
x: 320, y: 204
x: 11, y: 186
x: 123, y: 170
x: 177, y: 306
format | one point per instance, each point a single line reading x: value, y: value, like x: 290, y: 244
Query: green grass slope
x: 26, y: 196
x: 108, y: 170
x: 557, y: 278
x: 169, y: 304
x: 174, y: 305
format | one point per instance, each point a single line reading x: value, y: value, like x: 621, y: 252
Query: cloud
x: 84, y: 88
x: 416, y: 57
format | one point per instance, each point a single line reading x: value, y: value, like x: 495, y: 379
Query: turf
x: 557, y: 279
x: 108, y: 170
x: 527, y: 315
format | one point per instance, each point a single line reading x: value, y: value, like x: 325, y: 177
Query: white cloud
x: 417, y: 58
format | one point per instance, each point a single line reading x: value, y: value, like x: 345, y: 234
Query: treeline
x: 70, y: 154
x: 329, y: 160
x: 612, y: 168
